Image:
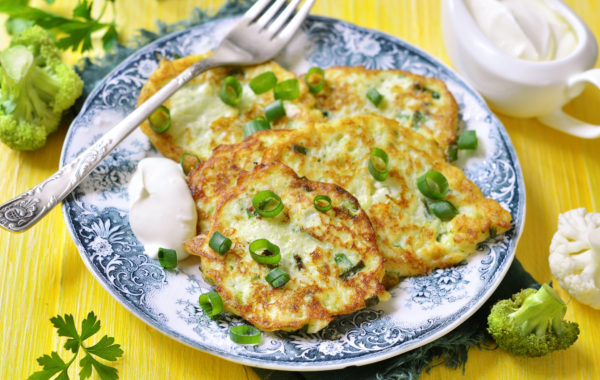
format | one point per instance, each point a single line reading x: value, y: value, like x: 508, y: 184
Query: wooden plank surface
x: 42, y: 274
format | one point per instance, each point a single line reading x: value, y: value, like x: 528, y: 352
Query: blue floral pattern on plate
x: 422, y: 308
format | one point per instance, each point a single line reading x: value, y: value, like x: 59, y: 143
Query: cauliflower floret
x: 575, y: 255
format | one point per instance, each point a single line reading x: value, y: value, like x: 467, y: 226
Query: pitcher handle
x: 561, y: 121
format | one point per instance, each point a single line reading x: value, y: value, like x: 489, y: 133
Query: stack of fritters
x: 371, y: 221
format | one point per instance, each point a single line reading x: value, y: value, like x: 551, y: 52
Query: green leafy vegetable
x: 105, y: 349
x: 72, y: 33
x: 35, y: 88
x: 531, y: 323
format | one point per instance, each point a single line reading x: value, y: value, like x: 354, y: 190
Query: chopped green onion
x: 160, y: 120
x: 418, y: 117
x: 371, y: 301
x: 167, y: 258
x: 468, y: 140
x: 315, y: 79
x: 375, y: 97
x: 211, y: 303
x: 182, y: 161
x: 231, y: 91
x: 265, y: 252
x: 287, y: 89
x: 219, y: 243
x: 493, y: 232
x: 262, y: 200
x: 443, y: 210
x: 343, y: 260
x: 433, y: 184
x: 263, y: 82
x: 452, y: 153
x: 277, y: 278
x: 352, y: 271
x: 378, y: 164
x: 274, y: 111
x: 254, y: 126
x: 244, y: 334
x: 353, y: 209
x: 322, y: 203
x: 435, y: 94
x: 300, y: 149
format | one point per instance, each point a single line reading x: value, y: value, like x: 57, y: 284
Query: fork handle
x: 26, y: 209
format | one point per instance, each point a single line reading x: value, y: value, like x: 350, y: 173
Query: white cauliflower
x: 575, y: 255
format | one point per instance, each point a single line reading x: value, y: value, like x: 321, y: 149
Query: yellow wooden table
x: 42, y: 274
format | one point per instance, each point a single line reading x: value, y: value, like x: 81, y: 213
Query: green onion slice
x: 254, y: 126
x: 231, y: 91
x: 265, y: 252
x: 468, y: 140
x: 244, y: 334
x: 263, y: 82
x: 378, y: 164
x: 433, y: 184
x: 274, y: 111
x: 277, y: 278
x: 219, y: 243
x: 287, y: 89
x: 300, y: 149
x: 267, y: 204
x: 352, y: 271
x: 167, y: 258
x: 322, y: 203
x: 160, y: 119
x: 182, y: 161
x: 315, y: 79
x: 452, y: 153
x: 211, y: 303
x: 443, y: 210
x: 342, y: 260
x: 375, y: 97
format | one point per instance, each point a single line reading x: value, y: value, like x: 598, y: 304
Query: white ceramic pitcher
x: 518, y: 87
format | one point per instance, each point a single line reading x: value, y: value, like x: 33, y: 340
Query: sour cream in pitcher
x: 526, y: 29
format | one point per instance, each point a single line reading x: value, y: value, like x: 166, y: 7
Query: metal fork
x: 260, y: 34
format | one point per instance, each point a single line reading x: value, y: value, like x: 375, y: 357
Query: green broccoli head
x: 35, y: 88
x: 531, y: 323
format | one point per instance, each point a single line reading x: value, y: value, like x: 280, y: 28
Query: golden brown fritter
x: 412, y: 239
x: 320, y: 286
x: 418, y: 102
x: 200, y: 120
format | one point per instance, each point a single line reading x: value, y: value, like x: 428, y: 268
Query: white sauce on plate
x: 162, y: 212
x: 526, y: 29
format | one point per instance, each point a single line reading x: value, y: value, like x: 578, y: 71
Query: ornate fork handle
x: 25, y: 210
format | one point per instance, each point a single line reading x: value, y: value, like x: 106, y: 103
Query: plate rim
x: 331, y: 364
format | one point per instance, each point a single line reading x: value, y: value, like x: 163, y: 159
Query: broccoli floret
x: 35, y: 88
x: 531, y: 323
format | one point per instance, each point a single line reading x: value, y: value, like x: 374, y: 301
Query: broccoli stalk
x: 35, y: 88
x: 531, y: 323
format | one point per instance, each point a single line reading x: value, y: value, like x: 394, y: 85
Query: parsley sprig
x: 105, y: 348
x: 72, y: 33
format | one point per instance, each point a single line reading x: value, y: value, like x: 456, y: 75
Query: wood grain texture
x: 42, y: 274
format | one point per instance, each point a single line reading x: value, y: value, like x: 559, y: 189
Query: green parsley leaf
x: 72, y: 33
x: 105, y: 348
x: 65, y: 326
x: 89, y: 326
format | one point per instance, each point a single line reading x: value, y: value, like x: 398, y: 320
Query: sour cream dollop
x: 526, y: 29
x: 162, y: 212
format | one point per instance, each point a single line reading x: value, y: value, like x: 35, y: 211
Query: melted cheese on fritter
x: 412, y: 240
x: 200, y: 120
x: 417, y: 102
x: 309, y: 241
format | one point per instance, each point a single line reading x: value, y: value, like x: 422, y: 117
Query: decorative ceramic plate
x: 421, y: 309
